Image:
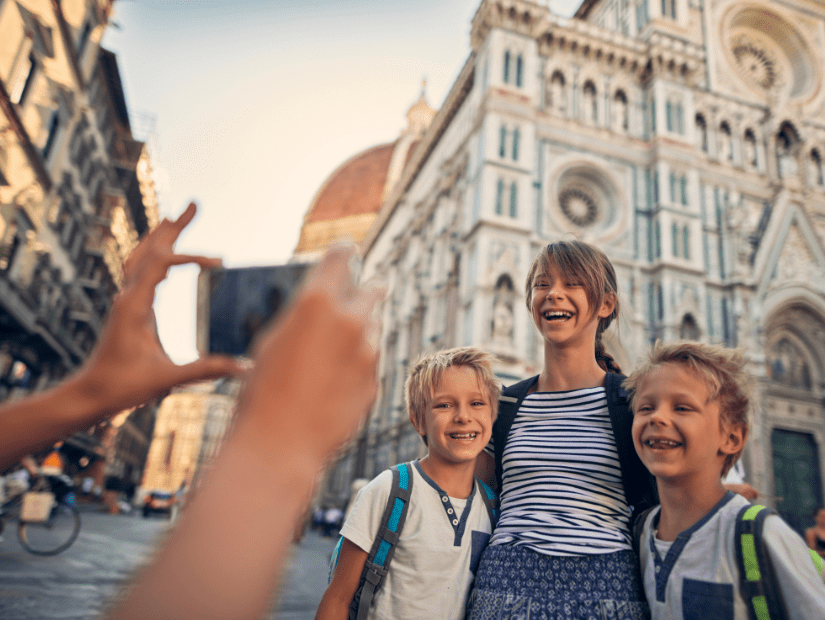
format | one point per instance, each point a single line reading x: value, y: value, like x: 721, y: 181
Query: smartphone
x: 235, y: 304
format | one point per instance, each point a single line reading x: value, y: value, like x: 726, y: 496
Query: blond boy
x: 690, y: 403
x: 452, y: 401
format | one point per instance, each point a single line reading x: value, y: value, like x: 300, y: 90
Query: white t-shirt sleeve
x: 362, y: 525
x: 800, y: 582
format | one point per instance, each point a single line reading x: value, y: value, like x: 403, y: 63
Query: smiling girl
x: 562, y: 456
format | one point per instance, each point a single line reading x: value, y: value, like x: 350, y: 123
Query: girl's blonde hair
x: 591, y: 267
x: 721, y: 369
x: 425, y: 376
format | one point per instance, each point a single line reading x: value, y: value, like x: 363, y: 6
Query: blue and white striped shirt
x: 562, y: 490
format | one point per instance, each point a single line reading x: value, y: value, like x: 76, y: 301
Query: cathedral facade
x: 685, y: 138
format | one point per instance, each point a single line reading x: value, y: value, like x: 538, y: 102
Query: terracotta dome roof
x: 355, y: 188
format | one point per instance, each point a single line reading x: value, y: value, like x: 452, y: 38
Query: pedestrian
x: 451, y: 398
x: 690, y: 404
x: 562, y: 459
x: 332, y: 521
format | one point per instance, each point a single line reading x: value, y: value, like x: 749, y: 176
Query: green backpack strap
x: 383, y: 547
x: 490, y: 500
x: 757, y: 579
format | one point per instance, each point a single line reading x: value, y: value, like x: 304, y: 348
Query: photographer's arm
x: 314, y: 378
x: 127, y: 367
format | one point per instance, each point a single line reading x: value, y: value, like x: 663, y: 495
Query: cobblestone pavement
x: 79, y: 583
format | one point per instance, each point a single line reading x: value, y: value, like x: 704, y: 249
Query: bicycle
x: 58, y: 524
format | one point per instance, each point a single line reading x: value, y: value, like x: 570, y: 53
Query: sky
x: 249, y: 106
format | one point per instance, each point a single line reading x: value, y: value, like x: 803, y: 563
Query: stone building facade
x: 683, y: 137
x: 75, y: 192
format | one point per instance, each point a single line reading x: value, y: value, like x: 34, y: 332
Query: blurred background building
x: 684, y: 138
x: 75, y: 194
x: 189, y: 428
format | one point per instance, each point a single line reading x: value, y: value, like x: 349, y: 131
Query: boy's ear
x: 421, y: 428
x: 735, y: 437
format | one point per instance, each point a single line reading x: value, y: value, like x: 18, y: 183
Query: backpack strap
x: 490, y: 501
x: 508, y: 405
x: 757, y: 579
x: 638, y: 529
x: 383, y: 547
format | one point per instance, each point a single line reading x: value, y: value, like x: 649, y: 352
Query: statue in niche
x: 557, y: 93
x: 503, y: 319
x: 786, y: 147
x: 620, y: 113
x: 750, y: 149
x: 725, y: 143
x: 787, y: 366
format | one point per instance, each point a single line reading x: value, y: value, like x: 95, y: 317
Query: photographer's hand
x: 313, y: 381
x: 127, y: 366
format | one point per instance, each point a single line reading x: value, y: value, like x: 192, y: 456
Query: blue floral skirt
x: 514, y: 583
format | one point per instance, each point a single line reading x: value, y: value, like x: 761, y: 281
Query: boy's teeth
x: 662, y: 443
x: 463, y: 435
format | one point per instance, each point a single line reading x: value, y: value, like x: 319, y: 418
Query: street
x: 79, y: 583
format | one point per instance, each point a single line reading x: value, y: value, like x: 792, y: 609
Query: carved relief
x: 788, y: 366
x: 796, y: 262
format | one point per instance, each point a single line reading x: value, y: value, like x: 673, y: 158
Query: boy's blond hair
x: 426, y: 373
x: 723, y: 372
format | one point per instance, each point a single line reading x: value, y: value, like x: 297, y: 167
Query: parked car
x: 159, y: 502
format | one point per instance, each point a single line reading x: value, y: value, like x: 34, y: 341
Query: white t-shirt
x: 437, y: 553
x: 696, y: 576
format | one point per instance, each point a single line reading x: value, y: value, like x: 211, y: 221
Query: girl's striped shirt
x: 562, y: 490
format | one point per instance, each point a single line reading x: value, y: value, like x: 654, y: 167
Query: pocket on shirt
x: 704, y: 600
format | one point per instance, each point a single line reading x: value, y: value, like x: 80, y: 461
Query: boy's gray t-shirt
x: 696, y: 577
x: 435, y: 559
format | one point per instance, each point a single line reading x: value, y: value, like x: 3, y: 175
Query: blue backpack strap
x: 639, y: 528
x: 383, y: 547
x: 490, y: 501
x: 333, y: 560
x: 757, y: 579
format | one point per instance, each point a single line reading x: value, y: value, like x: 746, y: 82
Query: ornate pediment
x: 796, y: 257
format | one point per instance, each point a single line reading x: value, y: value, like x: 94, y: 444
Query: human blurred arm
x: 313, y: 380
x: 338, y: 595
x: 128, y: 365
x: 743, y: 489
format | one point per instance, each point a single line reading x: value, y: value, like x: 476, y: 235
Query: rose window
x: 755, y: 64
x: 578, y: 206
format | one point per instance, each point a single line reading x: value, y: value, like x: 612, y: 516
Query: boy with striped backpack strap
x: 413, y: 539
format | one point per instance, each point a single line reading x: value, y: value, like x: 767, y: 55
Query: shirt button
x: 657, y: 568
x: 449, y: 511
x: 444, y: 499
x: 455, y: 521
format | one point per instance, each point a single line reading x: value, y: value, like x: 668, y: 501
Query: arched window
x: 556, y: 93
x: 657, y: 239
x: 507, y: 66
x: 519, y: 71
x: 683, y: 190
x: 502, y: 142
x: 725, y: 142
x: 515, y: 144
x: 674, y: 116
x: 749, y: 144
x: 672, y: 187
x: 688, y: 330
x: 591, y: 104
x: 787, y: 149
x: 686, y: 242
x: 680, y: 118
x: 513, y: 200
x: 702, y: 132
x: 620, y: 112
x: 817, y: 176
x: 500, y: 197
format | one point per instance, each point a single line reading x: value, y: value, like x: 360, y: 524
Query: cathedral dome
x: 348, y: 202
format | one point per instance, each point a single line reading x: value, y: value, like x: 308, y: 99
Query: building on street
x: 75, y: 193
